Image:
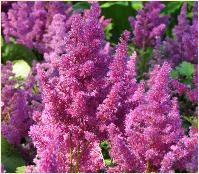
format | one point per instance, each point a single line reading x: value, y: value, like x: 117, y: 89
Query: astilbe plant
x: 18, y: 101
x: 121, y: 83
x: 27, y: 22
x: 66, y: 132
x: 184, y: 45
x: 87, y: 95
x: 152, y: 128
x: 148, y: 24
x: 183, y: 155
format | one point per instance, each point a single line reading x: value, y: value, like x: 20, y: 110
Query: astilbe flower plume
x: 18, y: 102
x: 67, y: 128
x: 27, y: 22
x: 151, y: 128
x: 14, y: 110
x: 184, y: 45
x: 148, y: 24
x: 121, y: 83
x: 184, y: 155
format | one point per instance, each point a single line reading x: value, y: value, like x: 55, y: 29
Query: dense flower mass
x: 85, y: 107
x: 147, y: 139
x: 18, y: 101
x: 183, y: 155
x: 184, y: 45
x: 68, y: 120
x: 148, y: 24
x: 29, y: 21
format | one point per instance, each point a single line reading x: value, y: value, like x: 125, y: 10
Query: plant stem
x: 147, y: 167
x: 71, y: 153
x: 77, y: 158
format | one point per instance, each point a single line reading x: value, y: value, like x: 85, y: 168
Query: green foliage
x: 137, y: 5
x: 81, y: 5
x: 173, y: 10
x: 20, y: 169
x: 183, y: 72
x: 119, y: 13
x: 35, y: 89
x: 10, y: 157
x: 186, y: 69
x: 109, y: 4
x: 108, y: 30
x: 12, y: 51
x: 105, y: 152
x: 144, y: 55
x: 192, y: 120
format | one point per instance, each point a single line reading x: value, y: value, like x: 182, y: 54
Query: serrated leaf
x: 10, y: 157
x: 20, y: 169
x: 186, y: 69
x: 21, y: 69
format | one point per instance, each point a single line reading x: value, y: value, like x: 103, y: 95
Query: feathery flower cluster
x: 66, y: 129
x: 148, y: 24
x: 183, y: 156
x: 184, y: 45
x: 121, y: 82
x: 86, y: 94
x: 150, y: 129
x: 18, y: 101
x: 29, y: 21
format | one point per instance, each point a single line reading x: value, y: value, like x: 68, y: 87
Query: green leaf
x: 119, y: 13
x: 137, y: 5
x: 107, y: 31
x: 186, y: 69
x: 193, y: 120
x: 21, y: 69
x: 13, y: 51
x: 104, y: 144
x: 81, y: 5
x: 174, y: 74
x: 35, y: 89
x: 108, y: 162
x: 10, y: 157
x: 190, y: 15
x: 2, y: 41
x: 20, y: 169
x: 171, y: 7
x: 107, y: 5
